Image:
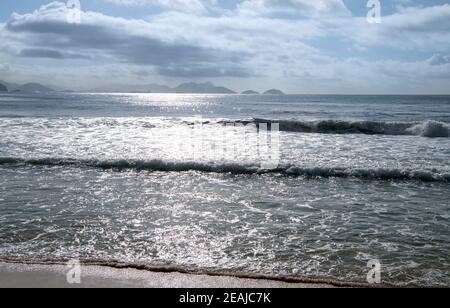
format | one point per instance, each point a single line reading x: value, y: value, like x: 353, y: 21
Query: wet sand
x: 14, y: 275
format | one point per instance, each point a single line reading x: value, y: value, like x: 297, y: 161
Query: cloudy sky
x: 299, y: 46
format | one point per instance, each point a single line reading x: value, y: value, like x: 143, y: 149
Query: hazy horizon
x: 297, y: 46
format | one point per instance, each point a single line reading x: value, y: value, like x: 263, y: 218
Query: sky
x: 298, y: 46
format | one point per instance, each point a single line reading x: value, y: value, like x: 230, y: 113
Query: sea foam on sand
x: 13, y: 275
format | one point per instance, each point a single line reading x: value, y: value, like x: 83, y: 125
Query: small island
x: 250, y: 92
x: 24, y: 88
x: 35, y: 88
x: 274, y: 92
x: 201, y: 88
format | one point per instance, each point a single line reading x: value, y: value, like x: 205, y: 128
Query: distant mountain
x: 191, y: 87
x: 34, y: 87
x: 3, y: 88
x: 29, y: 87
x: 250, y: 92
x: 202, y: 88
x: 120, y: 88
x: 11, y: 86
x: 274, y: 92
x: 185, y: 88
x: 156, y: 88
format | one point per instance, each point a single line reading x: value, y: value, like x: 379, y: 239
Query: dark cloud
x: 170, y: 59
x: 50, y: 54
x: 200, y: 72
x: 439, y: 60
x: 41, y: 53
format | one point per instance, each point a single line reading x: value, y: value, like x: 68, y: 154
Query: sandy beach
x: 14, y: 275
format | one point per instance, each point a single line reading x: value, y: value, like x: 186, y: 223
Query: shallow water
x: 166, y: 180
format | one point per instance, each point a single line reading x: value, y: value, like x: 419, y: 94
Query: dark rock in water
x: 250, y: 92
x: 3, y: 88
x: 274, y: 92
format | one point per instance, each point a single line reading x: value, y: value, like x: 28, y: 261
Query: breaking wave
x: 236, y: 168
x: 430, y: 129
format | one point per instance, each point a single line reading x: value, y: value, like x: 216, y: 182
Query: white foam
x: 431, y: 129
x: 234, y: 168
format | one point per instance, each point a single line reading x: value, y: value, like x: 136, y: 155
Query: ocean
x: 295, y: 186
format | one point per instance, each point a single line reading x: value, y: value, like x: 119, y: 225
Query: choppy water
x: 131, y: 178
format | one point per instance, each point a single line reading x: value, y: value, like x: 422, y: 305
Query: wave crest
x: 236, y: 168
x: 430, y: 129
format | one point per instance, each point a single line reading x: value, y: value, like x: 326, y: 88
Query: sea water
x: 177, y: 180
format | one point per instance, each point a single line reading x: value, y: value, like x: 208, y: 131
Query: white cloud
x: 412, y: 28
x: 261, y: 46
x: 46, y: 34
x: 183, y: 5
x: 301, y: 7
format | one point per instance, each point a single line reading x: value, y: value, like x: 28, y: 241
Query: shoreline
x: 34, y: 274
